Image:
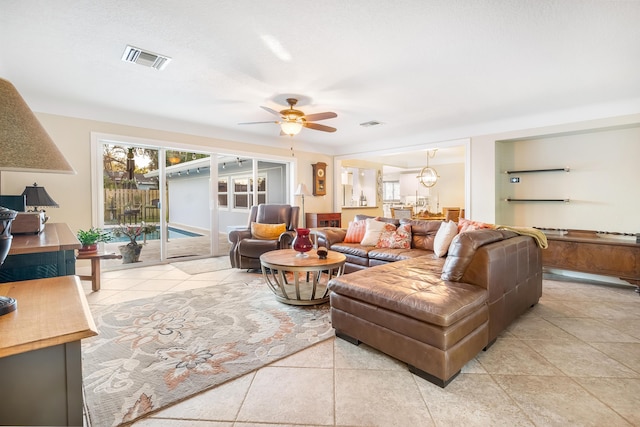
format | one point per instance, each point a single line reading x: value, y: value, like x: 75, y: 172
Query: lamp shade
x: 24, y: 144
x: 38, y: 196
x: 302, y: 190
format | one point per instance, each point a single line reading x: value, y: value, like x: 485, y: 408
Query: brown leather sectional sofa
x: 435, y: 314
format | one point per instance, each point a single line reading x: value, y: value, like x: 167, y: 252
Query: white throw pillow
x: 373, y: 231
x: 444, y: 236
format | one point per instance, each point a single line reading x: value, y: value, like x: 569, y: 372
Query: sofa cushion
x: 374, y: 230
x: 407, y: 287
x: 423, y: 232
x: 395, y: 254
x: 267, y: 231
x: 355, y: 231
x: 464, y: 246
x: 444, y: 236
x: 400, y: 238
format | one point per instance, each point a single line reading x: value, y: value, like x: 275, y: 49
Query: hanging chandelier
x: 428, y: 176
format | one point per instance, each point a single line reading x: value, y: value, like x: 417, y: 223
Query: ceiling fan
x: 292, y: 121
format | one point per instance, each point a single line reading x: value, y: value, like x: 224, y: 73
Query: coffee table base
x: 300, y: 287
x: 300, y: 281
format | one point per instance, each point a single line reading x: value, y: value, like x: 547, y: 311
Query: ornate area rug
x: 205, y: 265
x: 155, y: 352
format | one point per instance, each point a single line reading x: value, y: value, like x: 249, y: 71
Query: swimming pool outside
x: 174, y: 233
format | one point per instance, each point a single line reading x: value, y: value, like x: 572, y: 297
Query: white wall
x: 602, y: 184
x: 189, y: 201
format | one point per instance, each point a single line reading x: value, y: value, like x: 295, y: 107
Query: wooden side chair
x: 451, y: 214
x: 402, y: 212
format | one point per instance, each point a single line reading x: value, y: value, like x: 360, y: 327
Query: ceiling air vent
x: 145, y: 58
x: 371, y: 123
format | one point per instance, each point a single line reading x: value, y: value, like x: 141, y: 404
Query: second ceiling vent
x: 145, y: 58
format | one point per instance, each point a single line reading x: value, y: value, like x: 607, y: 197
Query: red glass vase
x: 302, y: 242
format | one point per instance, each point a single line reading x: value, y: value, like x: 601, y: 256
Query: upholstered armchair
x: 270, y: 227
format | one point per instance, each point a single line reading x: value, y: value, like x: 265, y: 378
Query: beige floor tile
x: 535, y: 328
x: 626, y: 353
x: 628, y: 310
x: 591, y: 330
x: 290, y: 395
x: 99, y: 296
x: 473, y: 367
x: 379, y: 398
x: 157, y: 422
x: 120, y: 284
x: 578, y: 359
x: 472, y: 400
x: 548, y: 308
x: 219, y: 404
x: 620, y: 394
x: 350, y: 356
x: 242, y: 424
x: 558, y: 401
x: 514, y: 357
x: 318, y: 356
x: 624, y: 325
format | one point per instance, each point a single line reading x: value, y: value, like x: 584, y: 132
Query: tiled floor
x: 573, y: 360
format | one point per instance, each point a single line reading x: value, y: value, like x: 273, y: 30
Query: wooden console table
x: 594, y: 253
x: 40, y: 357
x: 50, y: 253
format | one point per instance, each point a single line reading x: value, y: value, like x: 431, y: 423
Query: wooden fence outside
x: 130, y: 205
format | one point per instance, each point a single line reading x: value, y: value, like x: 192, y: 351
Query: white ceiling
x: 429, y: 70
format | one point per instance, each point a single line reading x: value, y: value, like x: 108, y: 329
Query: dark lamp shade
x: 24, y: 144
x: 38, y: 196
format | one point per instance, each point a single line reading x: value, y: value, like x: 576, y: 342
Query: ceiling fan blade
x: 316, y: 126
x: 271, y: 110
x: 255, y: 123
x: 320, y: 116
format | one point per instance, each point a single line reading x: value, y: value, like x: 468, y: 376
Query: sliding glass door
x: 191, y: 197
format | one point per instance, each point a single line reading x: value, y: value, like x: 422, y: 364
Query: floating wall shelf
x: 539, y: 170
x: 537, y: 200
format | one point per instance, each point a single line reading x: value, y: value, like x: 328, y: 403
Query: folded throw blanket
x: 539, y: 236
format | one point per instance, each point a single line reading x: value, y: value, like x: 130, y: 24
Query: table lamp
x: 25, y: 147
x: 37, y: 197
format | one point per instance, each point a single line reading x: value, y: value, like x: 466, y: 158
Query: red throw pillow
x: 356, y: 231
x: 468, y: 225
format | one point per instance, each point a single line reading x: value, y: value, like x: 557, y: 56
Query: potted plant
x: 131, y: 251
x: 90, y: 238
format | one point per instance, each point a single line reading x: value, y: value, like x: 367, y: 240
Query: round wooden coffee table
x: 300, y: 281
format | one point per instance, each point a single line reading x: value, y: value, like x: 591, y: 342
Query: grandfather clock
x: 319, y: 179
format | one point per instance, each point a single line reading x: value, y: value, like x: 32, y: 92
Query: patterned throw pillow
x: 468, y: 225
x: 374, y: 230
x: 267, y: 231
x: 398, y: 239
x: 356, y: 231
x: 447, y: 231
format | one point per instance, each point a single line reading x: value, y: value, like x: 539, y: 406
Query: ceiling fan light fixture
x: 291, y: 128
